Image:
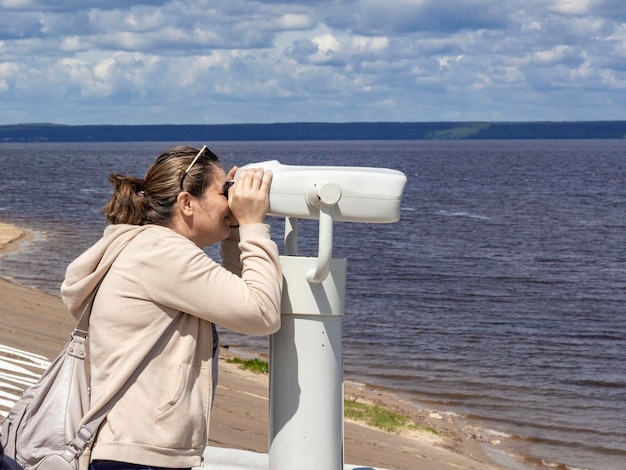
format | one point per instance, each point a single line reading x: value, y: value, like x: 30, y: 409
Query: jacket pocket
x: 181, y: 421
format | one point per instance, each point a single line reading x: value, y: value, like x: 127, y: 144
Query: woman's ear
x: 184, y: 203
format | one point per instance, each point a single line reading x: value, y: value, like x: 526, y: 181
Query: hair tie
x: 141, y: 190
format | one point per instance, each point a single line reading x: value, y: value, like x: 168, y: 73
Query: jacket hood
x: 84, y: 274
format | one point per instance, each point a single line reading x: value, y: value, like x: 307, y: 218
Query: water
x: 499, y: 295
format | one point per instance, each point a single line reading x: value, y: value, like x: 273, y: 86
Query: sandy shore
x: 33, y: 321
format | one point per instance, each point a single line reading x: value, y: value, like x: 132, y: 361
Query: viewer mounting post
x: 306, y: 359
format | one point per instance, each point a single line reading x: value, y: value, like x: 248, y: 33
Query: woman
x: 153, y: 345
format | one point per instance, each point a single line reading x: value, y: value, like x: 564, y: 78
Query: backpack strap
x: 84, y: 436
x: 86, y: 433
x: 82, y: 327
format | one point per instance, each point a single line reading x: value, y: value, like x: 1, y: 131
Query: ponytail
x: 128, y: 204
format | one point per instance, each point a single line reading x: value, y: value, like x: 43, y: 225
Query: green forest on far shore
x: 314, y: 131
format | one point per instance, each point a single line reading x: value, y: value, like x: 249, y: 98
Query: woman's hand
x: 248, y: 198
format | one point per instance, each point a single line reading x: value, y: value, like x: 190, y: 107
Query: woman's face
x: 212, y: 217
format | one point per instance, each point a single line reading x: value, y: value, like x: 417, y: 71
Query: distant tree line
x: 314, y: 131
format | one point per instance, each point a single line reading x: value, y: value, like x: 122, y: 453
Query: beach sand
x: 37, y: 322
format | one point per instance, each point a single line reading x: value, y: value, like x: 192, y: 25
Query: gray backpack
x: 43, y: 430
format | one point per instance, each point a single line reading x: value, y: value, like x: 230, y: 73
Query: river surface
x: 499, y: 296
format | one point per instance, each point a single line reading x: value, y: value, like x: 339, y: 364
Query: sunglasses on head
x: 212, y: 157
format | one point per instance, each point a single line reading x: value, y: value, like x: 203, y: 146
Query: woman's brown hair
x: 151, y: 200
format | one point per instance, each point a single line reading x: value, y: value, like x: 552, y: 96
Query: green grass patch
x: 458, y: 132
x: 429, y: 429
x: 257, y: 366
x: 380, y: 417
x: 373, y: 415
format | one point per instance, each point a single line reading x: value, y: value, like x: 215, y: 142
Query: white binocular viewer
x: 357, y: 194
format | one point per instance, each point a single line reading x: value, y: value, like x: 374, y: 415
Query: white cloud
x: 370, y: 44
x: 73, y: 44
x: 571, y: 7
x: 17, y: 4
x: 269, y: 61
x: 80, y: 74
x: 326, y: 43
x: 7, y: 70
x: 549, y: 57
x: 294, y: 21
x: 327, y: 46
x: 447, y: 61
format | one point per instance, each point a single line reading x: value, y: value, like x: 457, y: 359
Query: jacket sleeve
x: 231, y: 254
x: 179, y: 275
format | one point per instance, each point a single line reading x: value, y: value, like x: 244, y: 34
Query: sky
x: 242, y: 61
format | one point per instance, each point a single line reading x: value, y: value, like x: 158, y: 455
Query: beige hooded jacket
x: 158, y: 297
